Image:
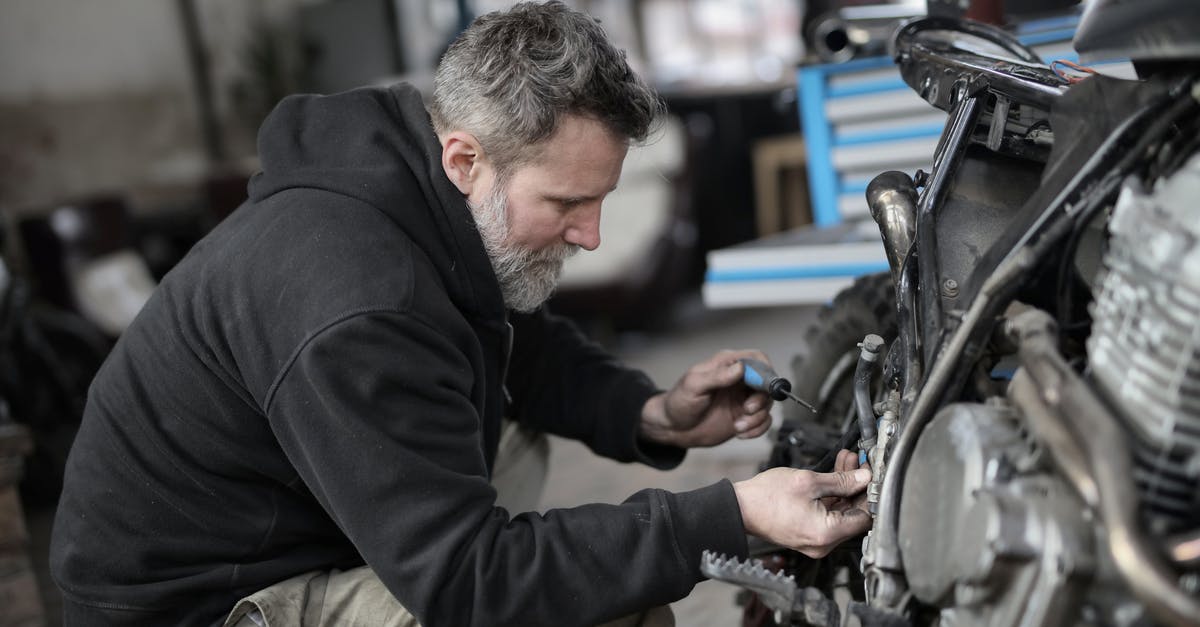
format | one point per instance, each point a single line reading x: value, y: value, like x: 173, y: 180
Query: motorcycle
x: 1025, y: 382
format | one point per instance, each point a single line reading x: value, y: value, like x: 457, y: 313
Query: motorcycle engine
x: 988, y: 532
x: 1144, y: 349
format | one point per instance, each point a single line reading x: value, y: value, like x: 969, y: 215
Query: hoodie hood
x: 377, y: 145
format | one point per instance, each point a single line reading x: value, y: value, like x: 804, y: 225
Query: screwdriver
x: 759, y: 376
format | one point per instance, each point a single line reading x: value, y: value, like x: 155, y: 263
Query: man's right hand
x: 806, y: 511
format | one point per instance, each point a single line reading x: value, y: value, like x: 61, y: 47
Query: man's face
x: 548, y: 210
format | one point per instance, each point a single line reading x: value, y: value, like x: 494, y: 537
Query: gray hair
x: 510, y: 77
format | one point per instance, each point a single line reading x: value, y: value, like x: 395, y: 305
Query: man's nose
x: 584, y: 230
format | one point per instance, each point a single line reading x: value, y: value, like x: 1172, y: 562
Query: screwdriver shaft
x: 803, y: 402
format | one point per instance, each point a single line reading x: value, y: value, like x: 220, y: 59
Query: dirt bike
x: 1025, y: 382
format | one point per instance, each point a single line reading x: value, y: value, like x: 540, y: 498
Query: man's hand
x: 806, y: 511
x: 708, y: 405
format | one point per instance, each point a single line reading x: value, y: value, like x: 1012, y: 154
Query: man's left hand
x: 708, y: 405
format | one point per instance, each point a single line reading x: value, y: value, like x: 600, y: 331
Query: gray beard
x: 527, y: 277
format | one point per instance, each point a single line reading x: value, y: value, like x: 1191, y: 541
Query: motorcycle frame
x: 964, y: 83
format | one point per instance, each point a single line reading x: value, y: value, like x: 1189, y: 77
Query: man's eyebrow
x: 576, y: 199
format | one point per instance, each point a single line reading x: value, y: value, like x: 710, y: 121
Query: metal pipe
x: 909, y: 332
x: 1004, y: 78
x: 951, y: 147
x: 1068, y: 455
x: 892, y: 197
x: 868, y: 358
x: 1072, y: 402
x: 930, y: 62
x: 852, y: 31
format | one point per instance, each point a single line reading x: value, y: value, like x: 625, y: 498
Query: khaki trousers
x: 357, y: 597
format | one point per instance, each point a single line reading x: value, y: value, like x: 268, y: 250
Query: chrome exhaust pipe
x: 892, y: 197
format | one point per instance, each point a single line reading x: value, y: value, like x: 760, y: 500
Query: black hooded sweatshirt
x: 320, y: 383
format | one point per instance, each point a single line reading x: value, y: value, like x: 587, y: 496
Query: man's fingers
x: 753, y: 426
x: 756, y: 403
x: 721, y: 370
x: 839, y: 463
x: 755, y: 416
x: 845, y: 484
x: 839, y: 526
x: 753, y: 408
x: 847, y: 523
x: 846, y: 460
x: 841, y: 504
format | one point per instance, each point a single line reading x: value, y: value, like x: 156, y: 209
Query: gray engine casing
x: 988, y: 532
x: 1144, y: 349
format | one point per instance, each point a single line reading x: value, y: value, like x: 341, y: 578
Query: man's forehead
x: 582, y: 158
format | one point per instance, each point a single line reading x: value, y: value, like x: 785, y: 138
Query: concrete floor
x: 577, y: 476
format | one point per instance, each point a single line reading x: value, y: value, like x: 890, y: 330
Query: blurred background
x: 127, y: 131
x: 138, y: 117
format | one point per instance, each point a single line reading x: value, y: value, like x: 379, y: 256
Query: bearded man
x: 306, y: 414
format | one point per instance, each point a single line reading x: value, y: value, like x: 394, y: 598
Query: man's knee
x: 660, y: 616
x: 320, y: 599
x: 354, y: 598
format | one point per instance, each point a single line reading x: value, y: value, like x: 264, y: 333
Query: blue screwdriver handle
x: 759, y: 376
x: 751, y: 375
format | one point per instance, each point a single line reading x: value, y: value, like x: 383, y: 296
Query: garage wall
x: 97, y: 96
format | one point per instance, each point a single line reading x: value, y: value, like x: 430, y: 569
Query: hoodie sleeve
x: 375, y: 413
x: 565, y: 384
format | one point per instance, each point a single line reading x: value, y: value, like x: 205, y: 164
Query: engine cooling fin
x: 1144, y: 349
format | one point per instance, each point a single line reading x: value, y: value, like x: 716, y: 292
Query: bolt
x: 950, y: 288
x: 1051, y: 396
x: 920, y: 178
x: 890, y: 430
x: 872, y: 343
x: 926, y: 86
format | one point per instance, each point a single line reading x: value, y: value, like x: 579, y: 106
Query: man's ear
x: 464, y: 162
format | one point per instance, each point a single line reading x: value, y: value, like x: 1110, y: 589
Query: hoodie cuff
x: 653, y: 454
x: 618, y: 438
x: 707, y: 519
